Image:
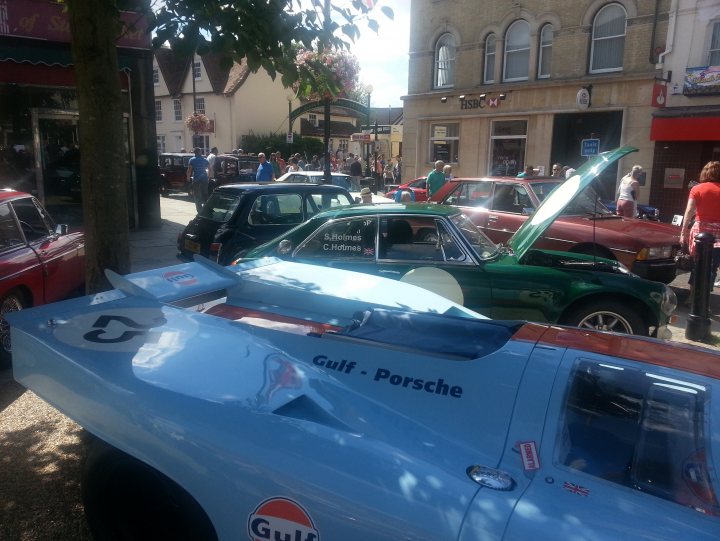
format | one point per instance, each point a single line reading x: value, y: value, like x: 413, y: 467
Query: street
x: 42, y: 450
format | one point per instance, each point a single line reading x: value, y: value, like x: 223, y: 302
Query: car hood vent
x: 306, y: 409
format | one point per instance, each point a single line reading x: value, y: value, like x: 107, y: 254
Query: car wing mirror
x: 527, y: 211
x: 61, y: 229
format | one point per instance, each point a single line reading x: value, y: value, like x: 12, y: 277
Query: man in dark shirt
x: 356, y: 171
x: 197, y: 172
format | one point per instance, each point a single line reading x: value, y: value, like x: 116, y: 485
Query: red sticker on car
x: 281, y: 518
x: 528, y: 453
x: 180, y: 278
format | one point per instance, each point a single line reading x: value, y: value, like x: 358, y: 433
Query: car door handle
x: 493, y: 218
x: 389, y: 272
x: 491, y: 478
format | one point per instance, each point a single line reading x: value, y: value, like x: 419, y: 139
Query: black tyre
x: 607, y: 316
x: 126, y: 499
x: 13, y: 301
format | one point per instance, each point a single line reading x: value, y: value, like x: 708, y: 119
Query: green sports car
x: 440, y: 249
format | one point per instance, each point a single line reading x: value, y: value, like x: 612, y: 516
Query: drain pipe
x: 672, y: 21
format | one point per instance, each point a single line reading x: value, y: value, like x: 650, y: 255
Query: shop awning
x: 700, y: 123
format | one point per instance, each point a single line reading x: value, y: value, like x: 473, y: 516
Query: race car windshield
x: 484, y: 247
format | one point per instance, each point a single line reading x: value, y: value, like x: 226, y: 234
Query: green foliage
x: 266, y: 33
x: 307, y: 146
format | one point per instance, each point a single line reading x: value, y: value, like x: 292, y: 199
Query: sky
x: 383, y: 57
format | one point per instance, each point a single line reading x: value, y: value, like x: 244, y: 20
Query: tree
x: 266, y: 33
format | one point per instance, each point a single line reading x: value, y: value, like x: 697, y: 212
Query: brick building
x: 498, y: 85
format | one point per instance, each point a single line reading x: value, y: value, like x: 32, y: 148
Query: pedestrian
x: 293, y: 166
x: 435, y: 179
x: 366, y: 195
x: 301, y: 163
x: 356, y: 171
x: 447, y: 171
x: 398, y: 169
x: 628, y: 192
x: 315, y: 163
x: 265, y: 171
x: 569, y: 172
x: 404, y: 195
x: 557, y: 170
x: 388, y: 176
x: 275, y: 165
x: 528, y: 172
x: 211, y: 163
x: 281, y: 162
x: 197, y: 174
x: 702, y: 214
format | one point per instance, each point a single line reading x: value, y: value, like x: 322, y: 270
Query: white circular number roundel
x: 436, y: 280
x: 114, y: 330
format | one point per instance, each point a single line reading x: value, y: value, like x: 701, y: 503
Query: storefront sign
x: 702, y: 81
x: 590, y: 147
x: 37, y: 19
x: 381, y: 129
x: 360, y: 137
x: 659, y: 95
x: 674, y: 177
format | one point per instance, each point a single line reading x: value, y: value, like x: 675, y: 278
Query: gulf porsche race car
x: 301, y: 403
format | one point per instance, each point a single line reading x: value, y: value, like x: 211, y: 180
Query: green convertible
x: 440, y: 249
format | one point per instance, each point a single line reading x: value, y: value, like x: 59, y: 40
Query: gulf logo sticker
x: 281, y: 518
x: 180, y: 278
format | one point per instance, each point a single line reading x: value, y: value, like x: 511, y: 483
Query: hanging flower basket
x: 197, y: 123
x: 330, y: 74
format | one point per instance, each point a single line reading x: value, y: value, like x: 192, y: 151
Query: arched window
x: 608, y: 39
x: 714, y: 50
x: 445, y: 61
x: 490, y: 49
x: 545, y: 53
x: 517, y: 52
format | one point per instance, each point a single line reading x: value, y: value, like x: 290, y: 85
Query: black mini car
x: 237, y: 217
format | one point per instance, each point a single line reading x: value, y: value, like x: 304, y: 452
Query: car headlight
x: 657, y: 252
x: 669, y: 301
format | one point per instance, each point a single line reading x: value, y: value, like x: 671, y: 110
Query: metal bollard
x: 698, y: 322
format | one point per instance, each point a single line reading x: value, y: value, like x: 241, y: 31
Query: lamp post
x: 368, y: 173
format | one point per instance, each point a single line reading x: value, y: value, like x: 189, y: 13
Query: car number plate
x: 192, y: 246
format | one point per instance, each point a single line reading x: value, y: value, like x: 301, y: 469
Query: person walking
x: 703, y: 212
x: 558, y: 170
x: 628, y: 193
x: 435, y: 179
x: 211, y: 164
x: 197, y: 174
x: 275, y: 165
x: 265, y: 171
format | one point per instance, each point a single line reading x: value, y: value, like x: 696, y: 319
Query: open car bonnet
x: 561, y: 197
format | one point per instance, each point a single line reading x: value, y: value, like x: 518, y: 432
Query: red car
x: 499, y: 205
x: 417, y: 186
x: 173, y: 172
x: 40, y: 262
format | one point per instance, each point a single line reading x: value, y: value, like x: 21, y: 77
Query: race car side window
x: 642, y: 430
x: 353, y: 238
x: 9, y: 233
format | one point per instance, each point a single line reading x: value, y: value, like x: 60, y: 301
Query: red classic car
x: 417, y: 186
x: 40, y: 262
x: 499, y: 205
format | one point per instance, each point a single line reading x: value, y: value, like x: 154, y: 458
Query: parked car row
x: 228, y: 169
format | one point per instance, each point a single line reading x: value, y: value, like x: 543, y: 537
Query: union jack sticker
x: 528, y: 453
x: 576, y: 489
x: 369, y: 251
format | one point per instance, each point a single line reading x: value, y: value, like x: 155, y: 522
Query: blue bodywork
x: 367, y: 431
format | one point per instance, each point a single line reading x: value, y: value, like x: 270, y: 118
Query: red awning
x: 693, y: 128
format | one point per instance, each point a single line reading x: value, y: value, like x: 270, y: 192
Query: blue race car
x: 289, y: 402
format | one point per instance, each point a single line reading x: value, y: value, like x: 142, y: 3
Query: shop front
x: 39, y: 139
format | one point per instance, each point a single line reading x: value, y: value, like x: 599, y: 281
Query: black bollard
x: 698, y: 322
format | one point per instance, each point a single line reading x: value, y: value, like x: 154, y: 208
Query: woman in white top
x: 628, y: 192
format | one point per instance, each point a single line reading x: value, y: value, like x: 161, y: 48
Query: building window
x: 202, y: 142
x: 714, y: 52
x: 444, y: 142
x: 156, y: 76
x: 160, y: 144
x: 490, y: 47
x: 158, y: 111
x: 343, y: 145
x: 545, y: 56
x: 200, y: 106
x: 197, y: 71
x: 177, y: 107
x: 517, y: 52
x: 312, y: 117
x: 608, y: 39
x: 507, y: 147
x: 445, y: 61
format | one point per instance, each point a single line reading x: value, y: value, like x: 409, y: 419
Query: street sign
x: 590, y: 147
x: 289, y: 138
x: 361, y: 137
x: 381, y: 129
